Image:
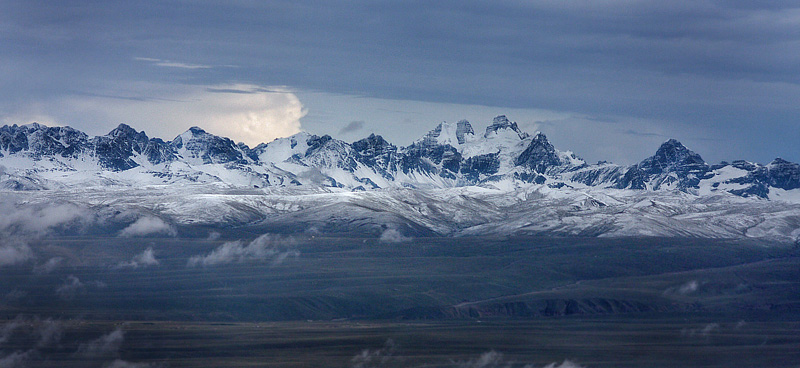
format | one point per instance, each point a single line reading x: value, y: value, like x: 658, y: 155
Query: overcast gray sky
x: 607, y: 79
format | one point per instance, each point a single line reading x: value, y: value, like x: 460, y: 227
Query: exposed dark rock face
x: 462, y: 129
x: 475, y: 166
x: 501, y: 122
x: 539, y: 156
x: 210, y: 148
x: 673, y: 165
x: 13, y: 138
x: 116, y: 150
x: 39, y: 140
x: 428, y: 158
x: 326, y: 152
x: 377, y: 153
x: 783, y: 174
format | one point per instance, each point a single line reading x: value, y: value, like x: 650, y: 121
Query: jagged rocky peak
x: 376, y: 152
x: 463, y: 131
x: 539, y: 155
x: 673, y: 156
x: 196, y: 143
x: 125, y: 130
x: 50, y: 141
x: 372, y: 146
x: 116, y: 149
x: 672, y: 166
x: 13, y: 139
x: 784, y: 174
x: 501, y: 123
x: 449, y: 133
x: 316, y: 142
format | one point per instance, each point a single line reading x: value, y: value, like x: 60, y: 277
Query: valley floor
x: 233, y: 298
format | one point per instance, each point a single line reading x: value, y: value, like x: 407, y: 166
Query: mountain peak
x: 449, y: 133
x: 196, y: 130
x: 673, y: 166
x: 501, y: 123
x: 204, y: 147
x: 673, y: 152
x: 539, y: 155
x: 123, y: 130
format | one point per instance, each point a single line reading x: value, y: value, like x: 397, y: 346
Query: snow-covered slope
x: 451, y: 181
x: 534, y: 209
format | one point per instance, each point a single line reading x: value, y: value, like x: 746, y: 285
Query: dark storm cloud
x: 731, y: 68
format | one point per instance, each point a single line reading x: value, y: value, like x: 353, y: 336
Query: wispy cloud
x: 369, y: 358
x: 144, y: 259
x: 48, y: 266
x: 73, y: 287
x: 173, y: 64
x: 14, y: 251
x: 266, y: 247
x: 103, y: 345
x: 38, y: 340
x: 16, y: 359
x: 352, y: 126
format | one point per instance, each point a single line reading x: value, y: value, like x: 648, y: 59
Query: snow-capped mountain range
x: 452, y: 181
x: 451, y: 155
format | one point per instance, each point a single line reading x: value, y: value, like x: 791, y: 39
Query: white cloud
x: 685, y: 289
x: 393, y: 236
x: 565, y: 364
x: 147, y: 225
x: 106, y: 344
x: 376, y: 358
x: 245, y: 113
x: 40, y: 219
x: 144, y: 259
x: 491, y: 359
x: 264, y: 248
x: 48, y: 266
x: 71, y: 287
x: 14, y: 252
x: 173, y: 64
x: 688, y: 287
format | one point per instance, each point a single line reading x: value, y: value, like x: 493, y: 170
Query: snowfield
x: 463, y: 211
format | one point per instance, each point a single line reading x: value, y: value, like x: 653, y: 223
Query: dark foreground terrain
x: 227, y: 300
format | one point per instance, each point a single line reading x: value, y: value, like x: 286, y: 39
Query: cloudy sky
x: 608, y: 79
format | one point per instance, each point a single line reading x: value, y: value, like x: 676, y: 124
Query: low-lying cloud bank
x: 41, y: 219
x: 265, y: 248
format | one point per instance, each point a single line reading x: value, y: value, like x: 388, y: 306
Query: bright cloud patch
x: 145, y: 226
x: 245, y: 113
x: 264, y: 248
x: 393, y: 236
